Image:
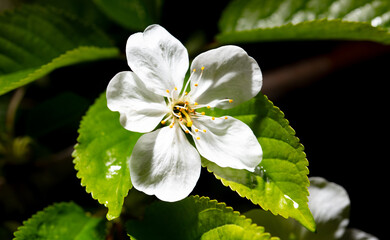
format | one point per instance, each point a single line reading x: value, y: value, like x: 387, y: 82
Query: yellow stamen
x: 196, y: 130
x: 204, y: 130
x: 163, y: 122
x: 202, y: 68
x: 196, y: 84
x: 195, y: 103
x: 230, y: 100
x: 189, y: 121
x: 185, y: 93
x: 203, y: 113
x: 208, y: 107
x: 175, y: 88
x: 198, y: 138
x: 226, y: 117
x: 167, y: 91
x: 213, y: 118
x: 194, y: 70
x: 187, y: 131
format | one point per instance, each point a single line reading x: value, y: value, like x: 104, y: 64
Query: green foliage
x: 280, y: 182
x: 35, y: 41
x: 62, y: 221
x: 132, y: 14
x: 270, y: 20
x: 101, y: 156
x: 194, y: 218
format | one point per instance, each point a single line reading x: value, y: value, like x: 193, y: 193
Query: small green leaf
x: 132, y: 14
x: 62, y: 221
x: 194, y: 218
x: 280, y: 182
x: 270, y: 20
x: 101, y: 156
x: 35, y: 41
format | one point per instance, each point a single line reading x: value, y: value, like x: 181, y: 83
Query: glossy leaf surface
x: 270, y: 20
x: 101, y: 156
x: 280, y: 182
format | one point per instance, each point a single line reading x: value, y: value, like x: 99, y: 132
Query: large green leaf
x: 269, y: 20
x: 194, y: 218
x: 280, y: 182
x: 101, y: 156
x: 34, y: 41
x: 62, y: 221
x: 132, y: 14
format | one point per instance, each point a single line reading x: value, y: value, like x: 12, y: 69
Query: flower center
x: 182, y: 108
x: 183, y: 111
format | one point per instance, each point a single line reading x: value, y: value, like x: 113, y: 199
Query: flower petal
x: 229, y: 73
x: 158, y: 58
x: 329, y: 204
x: 165, y: 164
x: 140, y: 110
x: 227, y: 142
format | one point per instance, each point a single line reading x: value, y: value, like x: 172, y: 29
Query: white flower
x: 164, y: 162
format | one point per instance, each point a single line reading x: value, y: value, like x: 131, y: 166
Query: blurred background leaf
x: 36, y: 40
x: 270, y: 20
x: 62, y: 221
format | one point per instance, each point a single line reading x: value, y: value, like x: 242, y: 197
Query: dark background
x: 334, y: 93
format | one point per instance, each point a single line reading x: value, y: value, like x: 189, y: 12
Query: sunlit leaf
x: 101, y: 156
x: 194, y: 218
x: 280, y: 182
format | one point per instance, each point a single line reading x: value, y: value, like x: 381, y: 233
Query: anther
x: 230, y: 100
x: 163, y: 122
x: 202, y: 68
x: 196, y: 85
x: 203, y: 113
x: 195, y: 103
x: 226, y: 117
x: 197, y: 138
x: 167, y: 91
x: 187, y: 131
x: 175, y: 88
x: 208, y: 107
x: 204, y: 130
x: 212, y: 118
x: 196, y: 130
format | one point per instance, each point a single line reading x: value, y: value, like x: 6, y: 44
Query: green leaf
x: 280, y: 182
x: 101, y: 155
x: 35, y: 41
x: 194, y: 218
x: 62, y: 221
x: 270, y: 20
x: 132, y: 14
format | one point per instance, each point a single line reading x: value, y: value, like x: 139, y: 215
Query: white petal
x: 158, y: 58
x: 229, y: 73
x: 356, y: 234
x: 227, y: 142
x: 165, y: 164
x: 140, y: 110
x: 329, y: 203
